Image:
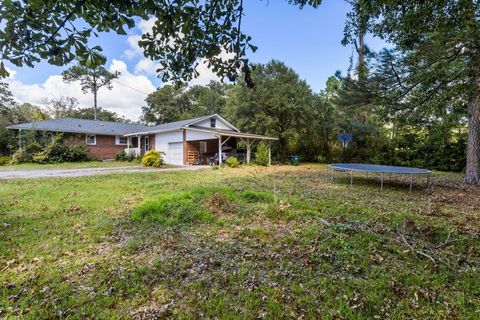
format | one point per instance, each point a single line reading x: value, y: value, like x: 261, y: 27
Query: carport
x: 224, y: 136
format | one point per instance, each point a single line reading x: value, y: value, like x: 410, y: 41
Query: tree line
x: 307, y: 123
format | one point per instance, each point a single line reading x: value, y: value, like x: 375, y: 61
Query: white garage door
x: 176, y: 153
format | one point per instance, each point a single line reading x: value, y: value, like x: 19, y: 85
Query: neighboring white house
x: 187, y: 141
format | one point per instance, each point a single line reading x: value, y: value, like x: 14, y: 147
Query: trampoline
x: 378, y: 169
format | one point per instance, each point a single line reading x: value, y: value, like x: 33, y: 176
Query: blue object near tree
x: 344, y: 138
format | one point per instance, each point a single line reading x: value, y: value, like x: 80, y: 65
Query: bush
x: 152, y: 159
x: 57, y: 151
x: 25, y: 154
x: 261, y: 156
x: 4, y: 161
x: 232, y: 162
x: 121, y: 156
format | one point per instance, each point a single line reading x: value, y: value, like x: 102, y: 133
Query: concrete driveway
x: 83, y: 172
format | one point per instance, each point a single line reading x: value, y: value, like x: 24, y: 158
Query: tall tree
x: 6, y: 102
x: 438, y: 65
x: 6, y: 97
x: 276, y: 105
x: 102, y: 114
x: 208, y: 99
x: 91, y: 80
x: 60, y: 107
x: 166, y: 104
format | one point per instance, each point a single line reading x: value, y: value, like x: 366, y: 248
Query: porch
x: 139, y: 144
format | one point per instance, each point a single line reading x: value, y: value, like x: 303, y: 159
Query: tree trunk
x: 283, y: 149
x: 95, y: 105
x: 95, y: 90
x: 472, y: 173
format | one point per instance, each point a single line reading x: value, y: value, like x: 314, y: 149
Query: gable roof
x: 176, y: 125
x: 73, y: 125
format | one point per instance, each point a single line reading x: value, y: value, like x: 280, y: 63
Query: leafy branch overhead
x: 186, y: 32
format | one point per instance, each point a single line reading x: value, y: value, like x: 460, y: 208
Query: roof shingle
x: 73, y: 125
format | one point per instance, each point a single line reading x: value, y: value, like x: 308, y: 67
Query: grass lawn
x: 246, y: 243
x: 69, y: 165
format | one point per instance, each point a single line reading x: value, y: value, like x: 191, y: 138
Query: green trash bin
x: 294, y: 160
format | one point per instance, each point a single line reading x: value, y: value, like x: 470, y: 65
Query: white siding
x: 163, y: 139
x: 219, y: 124
x: 197, y: 135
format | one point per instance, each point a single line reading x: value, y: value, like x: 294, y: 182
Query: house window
x: 213, y: 122
x: 91, y: 139
x: 119, y: 140
x: 203, y: 147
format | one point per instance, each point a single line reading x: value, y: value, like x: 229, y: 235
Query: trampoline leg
x: 429, y: 176
x: 381, y: 182
x: 351, y: 177
x: 367, y: 174
x: 411, y: 182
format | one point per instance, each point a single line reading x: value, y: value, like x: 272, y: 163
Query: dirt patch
x: 219, y: 205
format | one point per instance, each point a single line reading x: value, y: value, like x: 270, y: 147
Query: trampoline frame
x: 337, y: 167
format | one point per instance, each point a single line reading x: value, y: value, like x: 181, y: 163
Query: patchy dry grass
x: 241, y: 243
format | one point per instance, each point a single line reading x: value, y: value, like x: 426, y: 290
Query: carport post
x: 248, y: 151
x: 220, y: 150
x: 20, y: 138
x: 269, y: 153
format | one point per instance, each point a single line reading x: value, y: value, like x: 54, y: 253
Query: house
x: 182, y: 142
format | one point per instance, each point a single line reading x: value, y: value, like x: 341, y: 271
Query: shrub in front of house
x: 261, y: 156
x: 4, y: 160
x: 58, y: 151
x: 25, y: 154
x: 54, y: 152
x: 232, y: 162
x: 123, y: 156
x: 152, y: 159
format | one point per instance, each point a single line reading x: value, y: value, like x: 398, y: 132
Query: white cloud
x: 205, y: 75
x: 121, y: 99
x: 134, y: 50
x: 145, y: 26
x: 147, y: 67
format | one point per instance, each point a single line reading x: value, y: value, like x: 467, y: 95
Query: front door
x: 147, y: 143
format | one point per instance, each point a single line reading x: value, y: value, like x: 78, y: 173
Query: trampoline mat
x: 377, y: 168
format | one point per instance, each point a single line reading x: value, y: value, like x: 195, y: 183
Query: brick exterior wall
x: 104, y: 149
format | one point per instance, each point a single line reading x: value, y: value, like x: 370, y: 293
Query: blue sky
x: 308, y: 40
